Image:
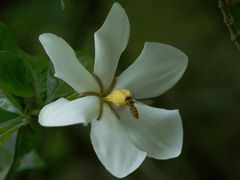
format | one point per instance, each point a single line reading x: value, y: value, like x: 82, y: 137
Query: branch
x: 232, y: 2
x: 229, y: 21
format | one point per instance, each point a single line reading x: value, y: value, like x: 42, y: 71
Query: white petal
x: 66, y: 65
x: 158, y: 132
x: 63, y: 112
x: 156, y: 70
x: 110, y: 41
x: 113, y: 147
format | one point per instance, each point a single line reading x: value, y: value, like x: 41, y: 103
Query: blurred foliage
x: 208, y: 94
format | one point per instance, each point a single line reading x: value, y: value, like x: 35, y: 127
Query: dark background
x: 208, y: 95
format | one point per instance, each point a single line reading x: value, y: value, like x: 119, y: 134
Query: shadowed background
x: 207, y: 96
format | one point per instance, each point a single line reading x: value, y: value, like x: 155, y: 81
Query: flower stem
x: 229, y: 21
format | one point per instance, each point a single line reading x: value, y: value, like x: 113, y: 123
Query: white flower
x: 121, y: 139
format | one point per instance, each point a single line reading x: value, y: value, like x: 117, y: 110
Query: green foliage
x: 14, y: 75
x: 7, y: 42
x: 8, y: 127
x: 25, y: 143
x: 5, y: 115
x: 9, y: 103
x: 18, y: 153
x: 7, y: 151
x: 38, y: 67
x: 23, y: 88
x: 27, y: 83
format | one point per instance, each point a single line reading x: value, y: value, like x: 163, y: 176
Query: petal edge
x: 113, y: 147
x: 158, y: 68
x: 64, y: 113
x: 158, y: 132
x: 66, y: 65
x: 110, y: 41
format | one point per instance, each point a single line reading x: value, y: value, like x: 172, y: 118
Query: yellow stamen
x: 118, y: 97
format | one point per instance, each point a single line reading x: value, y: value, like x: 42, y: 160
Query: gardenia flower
x: 123, y: 130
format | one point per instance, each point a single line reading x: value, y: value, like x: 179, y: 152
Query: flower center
x: 119, y: 98
x: 122, y: 97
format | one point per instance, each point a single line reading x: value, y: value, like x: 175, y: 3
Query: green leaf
x: 9, y: 103
x: 6, y: 39
x: 8, y: 127
x: 14, y: 74
x: 39, y: 69
x: 18, y: 153
x: 26, y: 143
x: 6, y: 136
x: 5, y: 115
x: 7, y: 155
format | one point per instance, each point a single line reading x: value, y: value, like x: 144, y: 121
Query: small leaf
x: 14, y: 75
x: 6, y: 39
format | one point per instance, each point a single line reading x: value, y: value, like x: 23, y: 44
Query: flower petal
x: 158, y: 132
x: 113, y: 147
x: 156, y: 70
x: 66, y: 65
x: 63, y: 112
x: 110, y: 41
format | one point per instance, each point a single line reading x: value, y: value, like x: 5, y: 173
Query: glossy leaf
x: 14, y: 74
x: 39, y: 69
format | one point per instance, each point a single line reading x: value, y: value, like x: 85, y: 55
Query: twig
x: 232, y: 2
x: 229, y: 21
